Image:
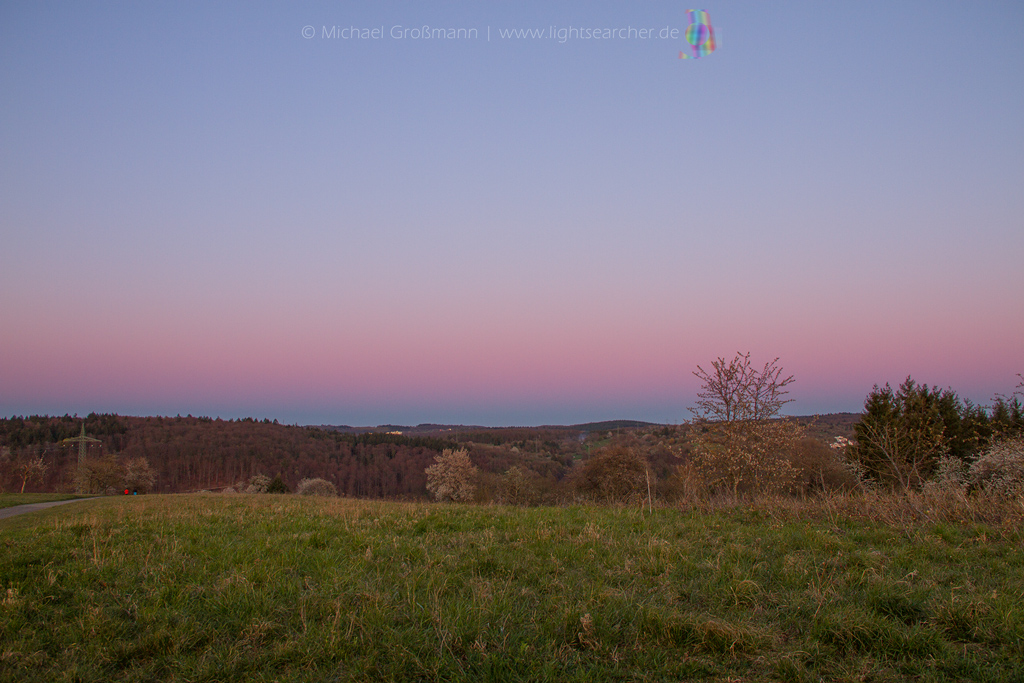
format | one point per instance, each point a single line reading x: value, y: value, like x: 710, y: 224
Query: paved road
x: 32, y: 507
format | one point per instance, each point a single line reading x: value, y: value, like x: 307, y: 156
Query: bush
x: 1000, y: 471
x: 316, y: 487
x: 258, y: 483
x: 740, y: 445
x: 746, y: 457
x: 516, y: 487
x: 278, y: 486
x: 820, y: 467
x: 950, y: 476
x: 615, y: 475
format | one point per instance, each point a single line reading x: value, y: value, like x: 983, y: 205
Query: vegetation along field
x: 209, y: 587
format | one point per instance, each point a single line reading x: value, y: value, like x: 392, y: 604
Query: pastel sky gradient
x: 203, y: 212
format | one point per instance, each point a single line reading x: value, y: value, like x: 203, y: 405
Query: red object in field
x: 126, y: 492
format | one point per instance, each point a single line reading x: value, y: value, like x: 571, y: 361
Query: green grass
x: 283, y: 588
x: 8, y: 500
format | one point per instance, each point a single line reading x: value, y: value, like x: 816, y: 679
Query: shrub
x: 452, y: 476
x: 316, y: 487
x: 615, y: 475
x: 820, y: 467
x: 516, y: 488
x: 1000, y: 471
x: 278, y: 486
x: 684, y: 484
x: 230, y: 489
x: 258, y: 483
x: 746, y: 457
x: 950, y: 476
x: 740, y: 445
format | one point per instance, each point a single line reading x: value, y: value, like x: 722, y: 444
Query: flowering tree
x: 452, y: 476
x: 740, y: 443
x: 139, y: 476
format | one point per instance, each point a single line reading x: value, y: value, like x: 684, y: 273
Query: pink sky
x: 256, y: 223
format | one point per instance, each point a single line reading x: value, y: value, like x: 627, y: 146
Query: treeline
x: 18, y: 432
x: 197, y: 453
x: 905, y: 435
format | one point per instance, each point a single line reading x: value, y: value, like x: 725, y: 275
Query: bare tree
x: 736, y: 390
x: 516, y: 488
x: 32, y: 468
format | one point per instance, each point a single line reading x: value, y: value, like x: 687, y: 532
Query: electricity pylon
x: 83, y: 442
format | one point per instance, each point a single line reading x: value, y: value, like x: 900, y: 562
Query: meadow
x: 287, y: 588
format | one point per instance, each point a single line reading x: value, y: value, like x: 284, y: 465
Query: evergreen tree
x: 1007, y: 417
x: 902, y: 434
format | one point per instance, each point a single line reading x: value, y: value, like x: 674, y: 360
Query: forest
x: 201, y: 453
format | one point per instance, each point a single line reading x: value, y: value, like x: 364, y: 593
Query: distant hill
x: 418, y: 430
x: 608, y: 425
x: 827, y: 427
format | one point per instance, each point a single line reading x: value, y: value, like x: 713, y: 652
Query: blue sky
x: 205, y: 212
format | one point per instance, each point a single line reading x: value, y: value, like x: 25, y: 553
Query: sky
x: 311, y: 212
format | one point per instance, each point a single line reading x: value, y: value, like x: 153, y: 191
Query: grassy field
x: 282, y: 588
x: 8, y: 500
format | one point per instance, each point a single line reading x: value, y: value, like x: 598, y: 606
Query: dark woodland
x: 197, y: 453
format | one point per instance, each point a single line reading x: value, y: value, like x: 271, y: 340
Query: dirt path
x: 32, y: 507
